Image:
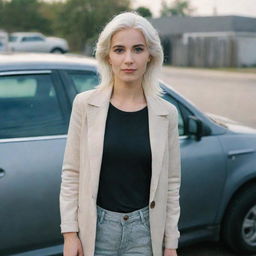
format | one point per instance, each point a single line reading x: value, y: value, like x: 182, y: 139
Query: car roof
x: 25, y: 33
x: 35, y: 61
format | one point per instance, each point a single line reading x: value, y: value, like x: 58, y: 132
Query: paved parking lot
x: 224, y: 93
x: 206, y: 249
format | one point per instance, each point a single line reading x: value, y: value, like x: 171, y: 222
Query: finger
x: 80, y: 252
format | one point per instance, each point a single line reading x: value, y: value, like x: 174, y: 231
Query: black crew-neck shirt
x: 125, y: 175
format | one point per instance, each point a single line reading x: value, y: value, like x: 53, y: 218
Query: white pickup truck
x: 36, y: 42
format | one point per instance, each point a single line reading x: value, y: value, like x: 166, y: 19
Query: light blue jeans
x: 123, y: 234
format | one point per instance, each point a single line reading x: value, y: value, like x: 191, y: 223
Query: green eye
x: 139, y: 49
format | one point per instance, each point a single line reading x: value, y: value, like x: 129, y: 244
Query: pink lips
x: 128, y: 70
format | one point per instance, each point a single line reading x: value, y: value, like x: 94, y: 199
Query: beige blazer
x: 82, y: 163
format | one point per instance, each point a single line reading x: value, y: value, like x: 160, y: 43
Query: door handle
x: 2, y: 172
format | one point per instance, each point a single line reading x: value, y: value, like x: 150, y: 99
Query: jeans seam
x: 101, y: 217
x: 144, y: 222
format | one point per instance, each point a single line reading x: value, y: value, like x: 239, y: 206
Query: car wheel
x: 239, y: 224
x: 57, y: 51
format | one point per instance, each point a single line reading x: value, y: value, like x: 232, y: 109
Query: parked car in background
x: 218, y: 159
x: 36, y: 42
x: 3, y: 41
x: 1, y: 46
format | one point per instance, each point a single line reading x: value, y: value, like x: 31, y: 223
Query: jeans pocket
x: 107, y: 237
x: 146, y: 224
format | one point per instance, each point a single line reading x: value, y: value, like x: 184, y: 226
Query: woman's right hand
x: 72, y: 245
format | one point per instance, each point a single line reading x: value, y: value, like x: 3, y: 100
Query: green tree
x: 177, y: 8
x: 51, y: 12
x: 144, y: 11
x: 81, y: 20
x: 1, y: 13
x: 23, y: 15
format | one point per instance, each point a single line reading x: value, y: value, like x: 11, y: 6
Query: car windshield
x: 13, y: 38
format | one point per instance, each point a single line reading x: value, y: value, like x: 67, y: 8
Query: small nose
x: 128, y: 57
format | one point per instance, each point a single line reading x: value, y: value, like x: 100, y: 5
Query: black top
x: 125, y: 176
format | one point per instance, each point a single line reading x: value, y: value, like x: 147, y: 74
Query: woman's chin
x: 129, y: 79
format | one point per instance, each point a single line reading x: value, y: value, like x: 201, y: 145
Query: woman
x: 121, y: 170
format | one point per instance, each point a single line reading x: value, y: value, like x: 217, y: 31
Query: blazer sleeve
x: 68, y: 198
x: 172, y: 233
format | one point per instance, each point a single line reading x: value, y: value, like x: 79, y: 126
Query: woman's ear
x: 149, y: 58
x: 108, y: 60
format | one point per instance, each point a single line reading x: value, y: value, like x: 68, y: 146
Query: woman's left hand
x: 170, y: 252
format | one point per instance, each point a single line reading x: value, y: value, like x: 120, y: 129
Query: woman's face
x: 128, y: 55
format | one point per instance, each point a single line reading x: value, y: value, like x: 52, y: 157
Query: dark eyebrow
x: 115, y: 46
x: 139, y: 45
x: 121, y: 46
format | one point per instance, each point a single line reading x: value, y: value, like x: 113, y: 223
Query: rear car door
x: 33, y: 126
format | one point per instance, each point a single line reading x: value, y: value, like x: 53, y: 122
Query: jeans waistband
x: 120, y: 216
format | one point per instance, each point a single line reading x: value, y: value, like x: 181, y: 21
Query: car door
x: 33, y: 127
x: 203, y: 173
x: 32, y: 43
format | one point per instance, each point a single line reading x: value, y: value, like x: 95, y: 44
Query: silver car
x: 36, y: 42
x: 218, y: 190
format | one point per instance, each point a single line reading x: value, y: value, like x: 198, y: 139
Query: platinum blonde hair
x: 126, y: 20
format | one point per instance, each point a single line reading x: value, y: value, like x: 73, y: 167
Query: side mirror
x: 195, y: 127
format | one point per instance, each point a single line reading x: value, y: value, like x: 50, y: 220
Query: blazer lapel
x: 158, y: 132
x: 97, y: 111
x: 96, y: 117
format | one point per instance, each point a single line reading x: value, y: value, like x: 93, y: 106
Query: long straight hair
x: 125, y: 20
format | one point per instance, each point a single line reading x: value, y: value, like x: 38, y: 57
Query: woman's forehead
x: 129, y: 36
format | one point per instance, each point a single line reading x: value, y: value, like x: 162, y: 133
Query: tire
x: 57, y: 50
x: 239, y: 224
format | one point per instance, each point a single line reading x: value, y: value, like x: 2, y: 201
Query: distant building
x: 214, y: 41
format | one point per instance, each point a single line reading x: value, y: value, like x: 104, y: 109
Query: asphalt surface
x: 206, y: 249
x: 229, y: 94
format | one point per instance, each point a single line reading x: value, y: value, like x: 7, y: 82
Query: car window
x: 29, y: 107
x: 13, y: 38
x: 84, y: 81
x: 31, y: 39
x: 181, y: 125
x: 37, y: 38
x: 26, y: 39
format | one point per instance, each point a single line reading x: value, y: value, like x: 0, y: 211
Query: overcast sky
x: 206, y: 7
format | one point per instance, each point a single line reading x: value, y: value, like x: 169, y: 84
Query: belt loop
x: 102, y: 216
x: 142, y: 216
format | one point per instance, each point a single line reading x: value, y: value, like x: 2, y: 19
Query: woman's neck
x: 128, y: 95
